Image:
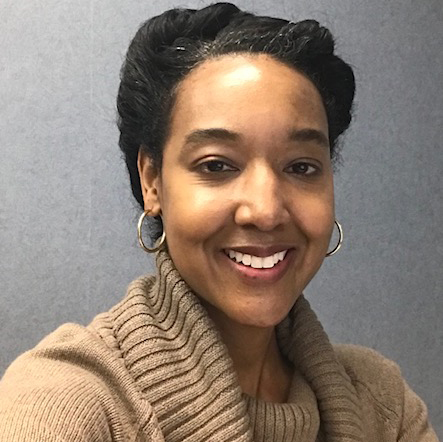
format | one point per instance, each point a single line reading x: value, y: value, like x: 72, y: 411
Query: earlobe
x: 150, y: 183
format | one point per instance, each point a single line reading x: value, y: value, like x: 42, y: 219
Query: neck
x: 262, y: 371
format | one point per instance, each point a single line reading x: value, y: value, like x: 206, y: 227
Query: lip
x: 253, y: 276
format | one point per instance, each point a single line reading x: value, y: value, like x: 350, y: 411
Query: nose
x: 261, y: 200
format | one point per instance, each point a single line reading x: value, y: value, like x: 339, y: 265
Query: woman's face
x: 246, y: 188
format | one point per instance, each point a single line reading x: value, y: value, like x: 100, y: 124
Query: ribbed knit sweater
x: 154, y: 369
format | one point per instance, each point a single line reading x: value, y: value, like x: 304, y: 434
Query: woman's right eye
x: 214, y: 166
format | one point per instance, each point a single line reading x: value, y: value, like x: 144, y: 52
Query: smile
x: 256, y: 262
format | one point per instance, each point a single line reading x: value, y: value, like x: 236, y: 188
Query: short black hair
x: 167, y: 47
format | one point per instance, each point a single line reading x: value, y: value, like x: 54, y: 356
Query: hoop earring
x: 158, y: 244
x: 340, y: 240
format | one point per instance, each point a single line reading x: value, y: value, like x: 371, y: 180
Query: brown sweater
x: 154, y: 369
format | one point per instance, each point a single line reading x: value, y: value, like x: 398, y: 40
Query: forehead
x: 247, y: 92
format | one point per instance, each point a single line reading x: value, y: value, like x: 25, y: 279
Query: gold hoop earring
x: 158, y: 244
x: 340, y: 240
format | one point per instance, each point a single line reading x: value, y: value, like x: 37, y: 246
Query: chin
x: 261, y: 318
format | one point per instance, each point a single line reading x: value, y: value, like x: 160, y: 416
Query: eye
x: 303, y: 168
x: 214, y: 166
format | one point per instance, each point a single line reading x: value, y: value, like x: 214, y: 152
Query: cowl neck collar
x: 177, y: 359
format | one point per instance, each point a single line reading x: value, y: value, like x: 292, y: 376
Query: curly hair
x: 167, y: 47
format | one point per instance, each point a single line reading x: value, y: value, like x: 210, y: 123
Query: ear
x: 150, y: 183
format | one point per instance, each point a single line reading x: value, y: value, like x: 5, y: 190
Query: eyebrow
x: 202, y: 136
x: 306, y: 135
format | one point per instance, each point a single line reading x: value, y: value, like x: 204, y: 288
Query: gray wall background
x: 67, y: 220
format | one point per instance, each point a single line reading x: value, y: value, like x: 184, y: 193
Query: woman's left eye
x: 303, y: 168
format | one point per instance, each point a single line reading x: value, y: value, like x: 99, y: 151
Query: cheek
x: 191, y: 213
x: 317, y: 220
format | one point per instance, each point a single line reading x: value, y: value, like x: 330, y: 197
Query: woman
x: 229, y: 124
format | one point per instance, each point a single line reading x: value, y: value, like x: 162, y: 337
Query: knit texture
x: 293, y: 421
x: 154, y: 369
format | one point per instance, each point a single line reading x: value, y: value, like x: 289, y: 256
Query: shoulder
x: 391, y: 410
x: 49, y: 385
x: 366, y: 365
x: 72, y: 386
x: 378, y: 380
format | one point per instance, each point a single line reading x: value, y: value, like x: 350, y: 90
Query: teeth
x: 268, y: 262
x: 257, y: 262
x: 246, y: 260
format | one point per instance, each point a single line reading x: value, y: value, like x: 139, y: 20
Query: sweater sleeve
x: 72, y: 387
x: 44, y: 402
